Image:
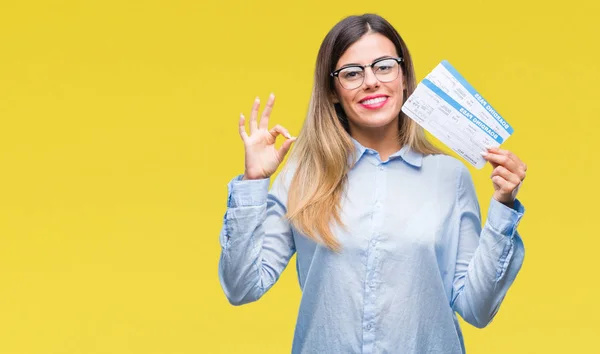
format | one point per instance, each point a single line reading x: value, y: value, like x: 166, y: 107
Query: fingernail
x: 272, y: 95
x: 287, y: 135
x: 257, y: 100
x: 242, y: 115
x: 484, y: 154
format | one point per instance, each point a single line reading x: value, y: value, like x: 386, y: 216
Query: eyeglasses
x: 352, y: 76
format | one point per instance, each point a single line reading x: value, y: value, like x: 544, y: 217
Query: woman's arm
x: 256, y: 239
x: 488, y: 259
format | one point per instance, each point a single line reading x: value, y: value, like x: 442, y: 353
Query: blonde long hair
x: 324, y: 152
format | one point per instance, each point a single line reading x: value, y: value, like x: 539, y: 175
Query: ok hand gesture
x: 262, y: 158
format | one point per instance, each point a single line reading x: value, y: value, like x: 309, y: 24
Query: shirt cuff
x: 503, y: 218
x: 247, y: 192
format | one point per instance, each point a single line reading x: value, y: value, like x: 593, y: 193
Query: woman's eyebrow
x: 352, y: 64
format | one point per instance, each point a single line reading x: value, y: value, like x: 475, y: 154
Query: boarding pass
x: 449, y: 108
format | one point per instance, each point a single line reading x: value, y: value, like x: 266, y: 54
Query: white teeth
x: 374, y: 100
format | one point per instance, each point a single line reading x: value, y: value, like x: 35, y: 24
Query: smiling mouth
x: 374, y: 103
x: 374, y: 100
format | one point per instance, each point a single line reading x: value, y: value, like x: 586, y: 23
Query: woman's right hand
x: 262, y: 159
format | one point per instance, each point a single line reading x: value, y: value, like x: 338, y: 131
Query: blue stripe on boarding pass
x: 465, y: 112
x: 483, y: 102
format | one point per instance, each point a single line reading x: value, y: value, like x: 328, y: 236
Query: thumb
x: 285, y: 147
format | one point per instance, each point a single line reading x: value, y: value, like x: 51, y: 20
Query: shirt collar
x: 407, y: 154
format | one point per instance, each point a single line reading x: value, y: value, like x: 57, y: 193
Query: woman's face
x: 373, y: 104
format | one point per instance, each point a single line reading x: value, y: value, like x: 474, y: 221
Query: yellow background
x: 118, y: 134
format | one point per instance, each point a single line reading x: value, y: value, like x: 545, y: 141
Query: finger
x: 511, y: 155
x: 520, y: 167
x: 497, y: 150
x: 523, y: 173
x: 506, y: 175
x: 242, y: 124
x: 285, y: 147
x: 499, y: 181
x: 500, y: 159
x: 264, y: 118
x: 278, y: 129
x: 254, y: 115
x: 494, y: 165
x: 505, y: 187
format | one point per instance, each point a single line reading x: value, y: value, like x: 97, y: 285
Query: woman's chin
x: 376, y: 121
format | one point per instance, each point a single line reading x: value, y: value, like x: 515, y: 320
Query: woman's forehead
x: 368, y: 48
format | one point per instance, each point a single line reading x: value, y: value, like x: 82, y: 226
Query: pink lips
x: 375, y: 105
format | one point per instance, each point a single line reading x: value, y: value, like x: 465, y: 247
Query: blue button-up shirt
x: 413, y: 255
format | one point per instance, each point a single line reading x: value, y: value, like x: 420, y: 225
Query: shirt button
x: 380, y: 168
x: 369, y: 326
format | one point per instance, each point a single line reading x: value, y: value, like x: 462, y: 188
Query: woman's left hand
x: 507, y: 176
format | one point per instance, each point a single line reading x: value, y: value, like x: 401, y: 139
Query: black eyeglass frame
x: 336, y: 73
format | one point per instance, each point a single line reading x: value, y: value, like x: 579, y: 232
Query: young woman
x: 386, y: 228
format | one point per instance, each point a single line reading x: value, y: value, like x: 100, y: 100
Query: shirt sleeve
x: 488, y: 259
x: 256, y: 239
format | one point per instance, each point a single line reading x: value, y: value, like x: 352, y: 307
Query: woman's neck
x: 384, y: 140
